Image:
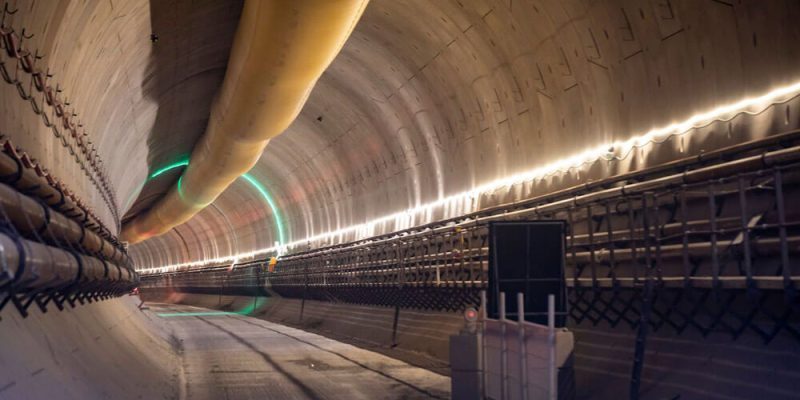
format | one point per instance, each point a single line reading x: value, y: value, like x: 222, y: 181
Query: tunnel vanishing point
x: 400, y: 199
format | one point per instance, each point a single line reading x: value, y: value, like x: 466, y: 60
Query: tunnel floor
x: 230, y: 356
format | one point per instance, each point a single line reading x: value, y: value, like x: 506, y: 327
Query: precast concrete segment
x: 227, y: 355
x: 103, y: 350
x: 280, y: 50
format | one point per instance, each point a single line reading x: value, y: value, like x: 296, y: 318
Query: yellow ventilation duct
x: 280, y: 50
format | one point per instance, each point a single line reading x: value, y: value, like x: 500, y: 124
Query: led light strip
x: 609, y: 151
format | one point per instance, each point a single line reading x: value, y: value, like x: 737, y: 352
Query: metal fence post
x: 503, y: 347
x: 551, y: 329
x: 482, y: 361
x: 523, y: 355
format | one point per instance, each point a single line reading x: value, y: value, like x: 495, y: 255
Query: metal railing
x: 520, y: 359
x: 683, y: 244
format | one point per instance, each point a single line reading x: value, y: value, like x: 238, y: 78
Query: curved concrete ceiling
x: 427, y: 99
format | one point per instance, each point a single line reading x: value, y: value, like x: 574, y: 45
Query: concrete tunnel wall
x: 106, y: 350
x: 427, y: 98
x: 432, y: 98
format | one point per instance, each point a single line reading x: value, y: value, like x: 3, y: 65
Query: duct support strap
x: 279, y: 52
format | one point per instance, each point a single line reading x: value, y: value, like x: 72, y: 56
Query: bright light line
x: 608, y: 151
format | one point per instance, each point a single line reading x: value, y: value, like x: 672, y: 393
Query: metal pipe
x: 28, y: 265
x: 33, y: 218
x: 34, y: 181
x: 764, y: 246
x: 279, y: 52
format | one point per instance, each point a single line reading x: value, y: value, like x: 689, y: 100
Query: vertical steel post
x: 503, y: 347
x: 644, y: 314
x: 523, y: 355
x: 482, y: 341
x: 590, y: 231
x: 712, y: 218
x: 632, y: 241
x: 611, y: 260
x: 657, y: 239
x: 551, y: 342
x: 687, y: 268
x: 573, y: 250
x: 743, y: 212
x: 394, y: 324
x: 483, y: 306
x: 786, y: 268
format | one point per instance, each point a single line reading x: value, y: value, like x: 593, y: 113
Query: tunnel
x: 399, y: 199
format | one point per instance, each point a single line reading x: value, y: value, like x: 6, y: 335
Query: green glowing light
x: 180, y: 191
x: 181, y: 163
x: 195, y: 314
x: 257, y: 303
x: 249, y: 178
x: 261, y: 189
x: 177, y: 164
